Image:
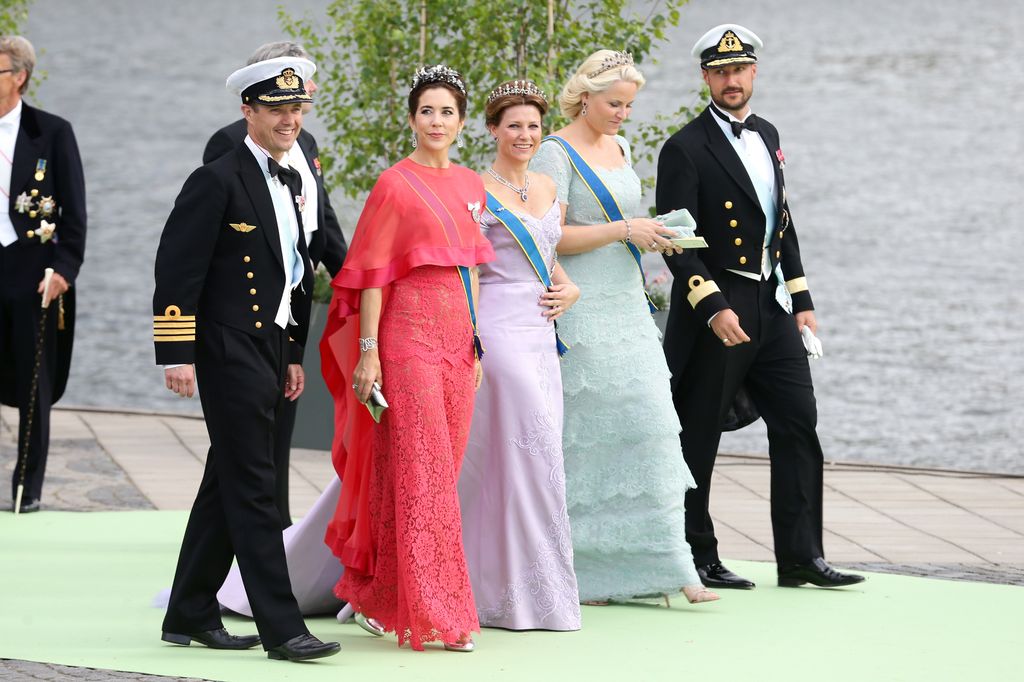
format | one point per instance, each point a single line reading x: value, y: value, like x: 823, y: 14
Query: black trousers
x: 773, y: 368
x: 241, y: 383
x: 20, y: 312
x: 282, y: 456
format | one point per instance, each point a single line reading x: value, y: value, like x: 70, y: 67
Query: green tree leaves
x: 366, y: 52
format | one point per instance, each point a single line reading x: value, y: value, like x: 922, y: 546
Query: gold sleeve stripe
x: 175, y: 338
x: 173, y: 313
x: 174, y: 325
x: 699, y: 290
x: 795, y: 286
x: 173, y: 332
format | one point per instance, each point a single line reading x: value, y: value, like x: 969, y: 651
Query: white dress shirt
x: 288, y: 230
x: 10, y: 123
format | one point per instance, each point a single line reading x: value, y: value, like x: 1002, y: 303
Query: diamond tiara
x: 439, y: 73
x: 616, y: 60
x: 516, y: 88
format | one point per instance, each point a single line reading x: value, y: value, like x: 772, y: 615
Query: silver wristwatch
x: 367, y: 344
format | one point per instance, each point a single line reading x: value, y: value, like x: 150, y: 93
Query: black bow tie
x: 288, y: 176
x: 737, y: 126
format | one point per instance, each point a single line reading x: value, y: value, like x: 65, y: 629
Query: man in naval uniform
x: 323, y: 235
x: 42, y: 227
x: 737, y: 313
x: 231, y: 309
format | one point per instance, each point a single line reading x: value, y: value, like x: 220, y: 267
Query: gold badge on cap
x: 730, y: 43
x: 40, y: 170
x: 288, y: 80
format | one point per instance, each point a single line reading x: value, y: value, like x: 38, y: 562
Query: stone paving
x: 939, y: 524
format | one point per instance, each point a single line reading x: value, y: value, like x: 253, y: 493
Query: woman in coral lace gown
x: 404, y: 291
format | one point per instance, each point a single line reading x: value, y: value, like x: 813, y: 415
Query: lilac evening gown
x: 512, y: 488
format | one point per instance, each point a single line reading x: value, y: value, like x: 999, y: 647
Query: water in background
x: 901, y: 128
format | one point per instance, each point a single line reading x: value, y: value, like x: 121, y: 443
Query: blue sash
x: 605, y: 200
x: 529, y: 246
x: 467, y: 286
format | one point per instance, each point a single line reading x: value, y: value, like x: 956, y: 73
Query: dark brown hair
x: 496, y: 107
x: 414, y: 96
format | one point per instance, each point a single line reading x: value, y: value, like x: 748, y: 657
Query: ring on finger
x: 725, y: 339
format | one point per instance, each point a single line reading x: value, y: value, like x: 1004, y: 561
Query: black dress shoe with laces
x: 303, y: 648
x: 215, y: 639
x: 718, y: 576
x: 817, y: 572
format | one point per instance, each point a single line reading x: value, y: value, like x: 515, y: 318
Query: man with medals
x: 231, y: 309
x: 42, y: 230
x: 741, y: 324
x: 323, y: 234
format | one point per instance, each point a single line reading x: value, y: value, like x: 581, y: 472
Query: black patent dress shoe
x: 27, y: 507
x: 817, y: 572
x: 215, y: 639
x: 303, y: 648
x: 717, y: 575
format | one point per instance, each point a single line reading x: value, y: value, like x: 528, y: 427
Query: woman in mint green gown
x: 625, y: 473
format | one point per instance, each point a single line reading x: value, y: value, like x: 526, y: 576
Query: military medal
x: 316, y: 162
x: 47, y: 206
x: 45, y: 231
x: 781, y: 157
x: 40, y: 170
x: 22, y: 203
x: 300, y: 201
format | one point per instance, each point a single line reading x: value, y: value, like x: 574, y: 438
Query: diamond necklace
x: 521, y: 191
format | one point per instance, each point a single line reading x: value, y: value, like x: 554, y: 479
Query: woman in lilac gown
x: 515, y: 527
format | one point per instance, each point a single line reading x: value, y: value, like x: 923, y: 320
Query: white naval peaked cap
x: 727, y: 44
x: 280, y: 80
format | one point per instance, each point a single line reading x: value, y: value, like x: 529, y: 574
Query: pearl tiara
x: 616, y: 60
x: 439, y: 73
x: 524, y: 88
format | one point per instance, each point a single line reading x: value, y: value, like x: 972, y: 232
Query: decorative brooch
x: 474, y: 210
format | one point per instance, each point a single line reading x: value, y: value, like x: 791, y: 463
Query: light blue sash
x: 467, y: 286
x: 605, y: 200
x: 529, y: 246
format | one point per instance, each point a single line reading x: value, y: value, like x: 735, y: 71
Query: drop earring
x: 414, y: 139
x: 583, y: 109
x: 459, y: 142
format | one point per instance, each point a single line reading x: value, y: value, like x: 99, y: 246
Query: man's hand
x: 58, y: 285
x: 726, y: 326
x: 295, y: 382
x: 806, y: 318
x: 181, y: 380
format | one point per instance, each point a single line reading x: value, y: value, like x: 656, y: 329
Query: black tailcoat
x: 326, y: 245
x: 47, y: 186
x: 219, y: 278
x: 715, y: 387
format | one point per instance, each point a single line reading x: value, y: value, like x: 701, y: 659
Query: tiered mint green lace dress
x: 624, y: 469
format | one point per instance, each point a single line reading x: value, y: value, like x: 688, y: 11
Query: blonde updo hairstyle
x: 571, y: 100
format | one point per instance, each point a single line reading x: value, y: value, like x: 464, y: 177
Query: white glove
x: 812, y: 343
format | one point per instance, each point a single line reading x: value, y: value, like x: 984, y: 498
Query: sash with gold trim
x: 451, y: 231
x: 528, y: 244
x: 605, y: 200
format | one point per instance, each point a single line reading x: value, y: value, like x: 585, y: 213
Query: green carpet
x: 76, y: 589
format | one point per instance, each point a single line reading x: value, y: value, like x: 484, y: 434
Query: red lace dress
x: 398, y: 528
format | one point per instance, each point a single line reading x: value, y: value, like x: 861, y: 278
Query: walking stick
x: 33, y: 393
